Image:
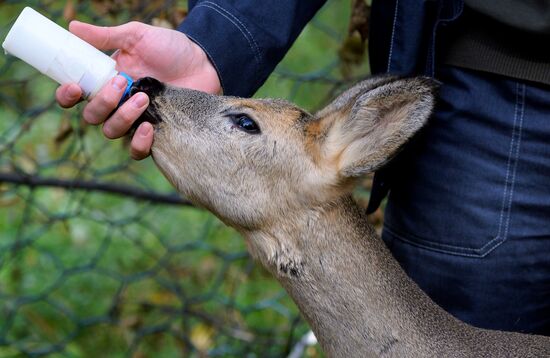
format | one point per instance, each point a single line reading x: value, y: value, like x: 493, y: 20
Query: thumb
x: 107, y: 38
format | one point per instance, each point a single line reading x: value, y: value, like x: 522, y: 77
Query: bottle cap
x: 126, y: 93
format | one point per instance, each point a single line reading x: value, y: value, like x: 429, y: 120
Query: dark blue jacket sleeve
x: 245, y: 39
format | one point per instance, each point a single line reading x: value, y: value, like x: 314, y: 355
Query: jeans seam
x: 445, y: 248
x: 256, y: 48
x: 508, y: 164
x: 392, y: 35
x: 244, y: 32
x: 519, y: 127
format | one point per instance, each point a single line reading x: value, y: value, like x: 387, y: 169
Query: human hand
x: 142, y: 50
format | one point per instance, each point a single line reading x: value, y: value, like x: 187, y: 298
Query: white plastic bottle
x: 59, y: 54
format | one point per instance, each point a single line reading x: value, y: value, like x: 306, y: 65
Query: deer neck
x: 356, y: 298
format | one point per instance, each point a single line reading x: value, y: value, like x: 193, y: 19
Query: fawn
x: 283, y: 178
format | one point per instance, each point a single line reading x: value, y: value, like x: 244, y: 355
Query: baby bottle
x: 59, y: 54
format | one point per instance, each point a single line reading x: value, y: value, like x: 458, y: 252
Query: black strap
x: 380, y: 188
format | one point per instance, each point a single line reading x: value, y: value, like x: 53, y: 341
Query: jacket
x: 246, y: 39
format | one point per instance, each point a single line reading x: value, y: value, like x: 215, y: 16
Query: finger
x: 121, y: 121
x: 68, y: 95
x: 107, y: 38
x: 105, y: 101
x: 142, y: 141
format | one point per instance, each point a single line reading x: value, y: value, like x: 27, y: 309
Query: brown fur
x: 287, y: 191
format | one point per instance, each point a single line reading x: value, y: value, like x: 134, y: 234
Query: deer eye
x: 246, y: 124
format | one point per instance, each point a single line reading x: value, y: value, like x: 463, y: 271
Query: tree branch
x: 111, y: 188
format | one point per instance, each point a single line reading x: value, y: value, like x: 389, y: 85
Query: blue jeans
x: 468, y: 216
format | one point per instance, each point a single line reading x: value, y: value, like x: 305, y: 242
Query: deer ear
x: 367, y: 125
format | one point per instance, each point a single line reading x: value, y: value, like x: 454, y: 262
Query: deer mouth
x: 152, y: 88
x: 150, y: 115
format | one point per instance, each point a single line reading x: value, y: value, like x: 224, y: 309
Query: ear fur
x: 368, y: 124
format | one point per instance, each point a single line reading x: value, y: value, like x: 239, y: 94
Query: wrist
x: 211, y: 79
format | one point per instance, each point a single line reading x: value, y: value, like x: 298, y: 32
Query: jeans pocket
x: 455, y: 187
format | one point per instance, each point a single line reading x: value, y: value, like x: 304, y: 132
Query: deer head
x: 252, y: 161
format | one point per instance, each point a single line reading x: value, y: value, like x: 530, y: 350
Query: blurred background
x: 98, y: 254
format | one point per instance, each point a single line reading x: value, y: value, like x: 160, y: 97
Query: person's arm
x: 237, y: 42
x: 246, y: 39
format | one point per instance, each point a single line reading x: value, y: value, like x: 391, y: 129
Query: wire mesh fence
x: 98, y: 255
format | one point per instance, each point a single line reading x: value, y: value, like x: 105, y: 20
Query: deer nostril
x: 149, y: 85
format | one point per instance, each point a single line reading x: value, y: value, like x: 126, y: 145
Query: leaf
x: 201, y: 337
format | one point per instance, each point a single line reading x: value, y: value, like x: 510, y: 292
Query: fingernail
x: 139, y: 100
x: 73, y: 22
x: 119, y: 83
x: 73, y: 92
x: 145, y: 130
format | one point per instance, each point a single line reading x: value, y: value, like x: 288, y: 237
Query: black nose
x: 149, y: 85
x: 152, y: 88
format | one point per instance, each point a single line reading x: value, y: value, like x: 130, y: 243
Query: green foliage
x: 90, y: 273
